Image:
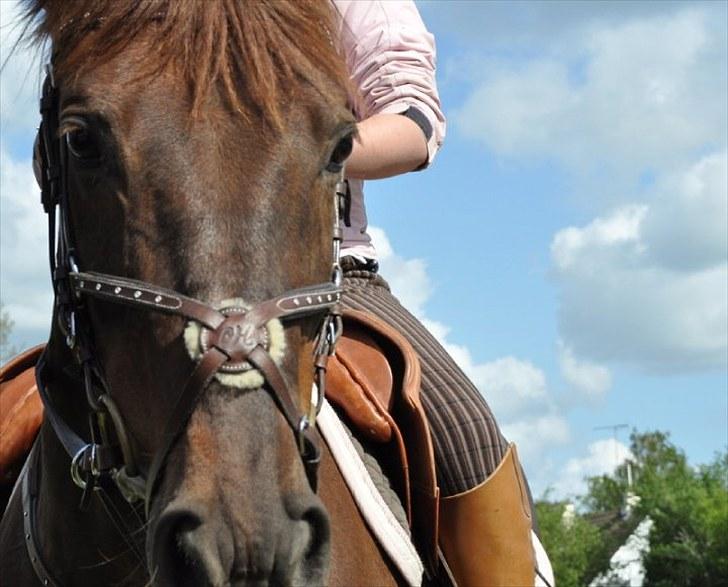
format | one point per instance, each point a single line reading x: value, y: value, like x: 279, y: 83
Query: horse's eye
x: 83, y: 144
x: 341, y: 152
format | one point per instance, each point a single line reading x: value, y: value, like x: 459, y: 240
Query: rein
x: 233, y: 338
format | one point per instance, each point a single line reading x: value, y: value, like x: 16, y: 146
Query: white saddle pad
x: 381, y: 521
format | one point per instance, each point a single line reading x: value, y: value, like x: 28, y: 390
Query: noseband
x: 232, y: 338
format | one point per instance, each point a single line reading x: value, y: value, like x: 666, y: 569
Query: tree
x: 690, y: 511
x: 688, y: 507
x: 571, y: 545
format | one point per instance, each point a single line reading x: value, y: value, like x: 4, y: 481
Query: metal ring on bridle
x: 75, y: 468
x: 71, y: 336
x: 303, y: 425
x: 332, y: 334
x: 337, y: 275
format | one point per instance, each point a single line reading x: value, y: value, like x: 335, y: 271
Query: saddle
x: 374, y: 378
x: 21, y: 412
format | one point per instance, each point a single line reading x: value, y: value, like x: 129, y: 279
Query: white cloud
x: 535, y: 26
x: 616, y: 235
x: 647, y: 284
x: 587, y: 377
x: 626, y: 97
x: 407, y: 277
x: 603, y: 457
x: 640, y: 125
x: 686, y: 227
x: 513, y: 386
x: 20, y: 77
x: 24, y: 280
x: 535, y: 436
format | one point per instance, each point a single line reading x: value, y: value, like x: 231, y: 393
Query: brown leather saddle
x: 374, y: 378
x: 21, y: 413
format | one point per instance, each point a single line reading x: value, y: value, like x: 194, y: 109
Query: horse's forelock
x: 255, y: 51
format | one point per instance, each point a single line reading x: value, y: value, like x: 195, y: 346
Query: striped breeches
x: 468, y: 443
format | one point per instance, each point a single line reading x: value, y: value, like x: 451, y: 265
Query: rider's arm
x: 391, y: 57
x: 386, y: 145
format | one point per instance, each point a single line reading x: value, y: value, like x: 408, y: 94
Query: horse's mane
x: 254, y: 50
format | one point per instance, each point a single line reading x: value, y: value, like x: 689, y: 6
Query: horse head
x: 201, y: 148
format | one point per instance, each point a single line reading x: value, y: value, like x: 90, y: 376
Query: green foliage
x: 571, y: 546
x: 604, y: 494
x: 689, y: 542
x: 689, y: 508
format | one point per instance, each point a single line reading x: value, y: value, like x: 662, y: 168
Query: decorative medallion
x: 238, y: 337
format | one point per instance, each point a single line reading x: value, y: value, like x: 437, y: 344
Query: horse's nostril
x: 309, y: 546
x: 181, y: 555
x: 188, y: 549
x: 320, y: 531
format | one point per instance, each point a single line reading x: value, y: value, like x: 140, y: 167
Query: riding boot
x: 485, y: 532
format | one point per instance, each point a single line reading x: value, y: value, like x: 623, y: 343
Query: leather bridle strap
x: 292, y: 304
x: 210, y: 362
x: 306, y: 443
x: 73, y: 443
x: 232, y: 338
x: 30, y: 488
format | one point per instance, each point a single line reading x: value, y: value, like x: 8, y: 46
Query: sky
x: 569, y: 245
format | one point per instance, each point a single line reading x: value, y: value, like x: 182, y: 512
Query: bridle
x: 108, y: 459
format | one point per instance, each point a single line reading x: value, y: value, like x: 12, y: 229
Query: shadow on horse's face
x: 216, y: 206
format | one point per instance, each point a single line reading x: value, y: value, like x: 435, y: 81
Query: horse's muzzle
x: 190, y: 548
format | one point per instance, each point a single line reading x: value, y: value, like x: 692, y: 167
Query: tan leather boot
x: 485, y: 533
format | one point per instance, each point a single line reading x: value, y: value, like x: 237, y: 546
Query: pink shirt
x: 391, y: 59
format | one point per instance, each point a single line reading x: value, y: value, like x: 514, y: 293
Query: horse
x: 191, y: 160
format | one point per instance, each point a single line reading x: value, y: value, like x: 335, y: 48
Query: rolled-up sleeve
x: 391, y: 59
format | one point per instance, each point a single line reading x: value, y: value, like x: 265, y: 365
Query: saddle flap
x: 370, y: 365
x: 348, y: 394
x: 371, y: 353
x: 21, y: 411
x: 360, y: 382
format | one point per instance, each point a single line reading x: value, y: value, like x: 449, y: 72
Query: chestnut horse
x: 192, y: 150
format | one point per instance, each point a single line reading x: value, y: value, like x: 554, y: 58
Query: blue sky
x: 569, y: 244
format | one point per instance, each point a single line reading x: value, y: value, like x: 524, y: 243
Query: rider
x: 391, y: 59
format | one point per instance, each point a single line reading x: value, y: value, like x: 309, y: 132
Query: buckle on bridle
x: 78, y: 478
